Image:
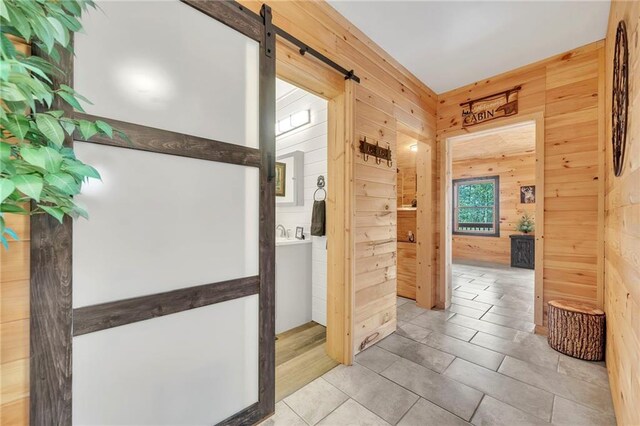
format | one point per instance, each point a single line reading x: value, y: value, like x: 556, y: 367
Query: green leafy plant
x: 525, y: 224
x: 35, y: 164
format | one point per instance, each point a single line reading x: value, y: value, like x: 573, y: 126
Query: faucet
x: 283, y: 231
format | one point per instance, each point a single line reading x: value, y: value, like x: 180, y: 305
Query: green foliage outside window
x: 35, y: 165
x: 476, y: 202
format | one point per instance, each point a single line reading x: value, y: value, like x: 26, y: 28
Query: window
x: 476, y: 206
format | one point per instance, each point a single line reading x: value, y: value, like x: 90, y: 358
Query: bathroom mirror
x: 292, y: 166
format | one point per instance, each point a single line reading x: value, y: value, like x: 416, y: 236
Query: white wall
x: 312, y: 140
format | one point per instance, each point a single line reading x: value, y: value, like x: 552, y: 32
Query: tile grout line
x: 294, y: 411
x: 477, y: 406
x: 339, y: 405
x: 407, y: 412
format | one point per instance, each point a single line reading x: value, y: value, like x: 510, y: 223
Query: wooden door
x: 159, y: 308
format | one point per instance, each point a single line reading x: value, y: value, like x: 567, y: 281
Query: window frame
x: 496, y: 207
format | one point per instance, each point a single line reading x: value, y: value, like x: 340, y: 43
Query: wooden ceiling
x: 520, y: 139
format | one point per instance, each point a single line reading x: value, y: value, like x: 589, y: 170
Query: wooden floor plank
x: 300, y: 358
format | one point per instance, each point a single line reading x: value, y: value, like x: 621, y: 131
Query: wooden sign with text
x: 490, y: 107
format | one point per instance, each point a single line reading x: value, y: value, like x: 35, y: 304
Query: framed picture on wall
x: 281, y: 179
x: 528, y: 194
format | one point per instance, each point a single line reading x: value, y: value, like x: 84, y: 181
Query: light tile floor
x: 478, y: 362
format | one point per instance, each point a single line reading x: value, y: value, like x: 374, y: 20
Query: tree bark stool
x: 576, y: 329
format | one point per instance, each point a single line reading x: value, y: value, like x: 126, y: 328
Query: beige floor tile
x: 449, y: 394
x: 427, y: 413
x: 376, y: 393
x: 513, y: 313
x: 510, y: 391
x: 542, y: 356
x: 315, y: 401
x: 376, y: 358
x: 518, y: 324
x: 484, y: 326
x: 471, y: 303
x: 492, y: 412
x: 569, y: 413
x: 577, y: 390
x: 352, y: 414
x: 467, y: 351
x: 466, y: 311
x: 413, y: 332
x: 284, y: 416
x: 589, y: 371
x: 444, y: 327
x: 417, y: 352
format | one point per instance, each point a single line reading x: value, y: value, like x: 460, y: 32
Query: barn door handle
x: 271, y: 173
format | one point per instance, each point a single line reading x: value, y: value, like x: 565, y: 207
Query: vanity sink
x: 290, y: 241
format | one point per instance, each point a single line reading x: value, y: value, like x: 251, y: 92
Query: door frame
x: 54, y: 322
x: 425, y: 280
x: 312, y: 76
x: 445, y: 282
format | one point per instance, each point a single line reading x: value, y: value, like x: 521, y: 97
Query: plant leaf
x: 6, y: 47
x: 12, y: 208
x: 18, y: 125
x: 44, y: 157
x: 53, y: 211
x: 50, y: 127
x: 71, y: 100
x: 87, y: 129
x: 61, y: 34
x: 29, y: 185
x: 82, y: 169
x: 6, y: 188
x: 10, y: 232
x: 106, y: 128
x: 5, y: 151
x: 63, y: 182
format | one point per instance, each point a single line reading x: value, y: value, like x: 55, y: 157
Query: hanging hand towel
x: 318, y: 217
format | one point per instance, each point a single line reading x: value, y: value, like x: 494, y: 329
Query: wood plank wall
x: 622, y: 232
x: 387, y: 94
x: 514, y: 171
x: 14, y: 319
x: 567, y: 89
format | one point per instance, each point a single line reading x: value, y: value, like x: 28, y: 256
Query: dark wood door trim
x: 150, y: 139
x: 267, y: 351
x: 50, y: 299
x: 121, y: 312
x: 227, y: 12
x: 52, y: 315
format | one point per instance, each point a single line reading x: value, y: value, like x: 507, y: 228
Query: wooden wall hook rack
x: 370, y: 149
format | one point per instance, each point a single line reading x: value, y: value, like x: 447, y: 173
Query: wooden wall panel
x: 514, y: 171
x: 622, y: 232
x: 14, y: 318
x: 564, y: 89
x: 380, y: 280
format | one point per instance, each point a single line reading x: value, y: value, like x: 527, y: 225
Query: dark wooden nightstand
x: 523, y: 251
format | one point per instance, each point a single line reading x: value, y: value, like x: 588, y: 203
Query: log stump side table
x: 576, y: 329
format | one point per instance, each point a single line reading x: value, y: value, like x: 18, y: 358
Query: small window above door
x: 476, y: 204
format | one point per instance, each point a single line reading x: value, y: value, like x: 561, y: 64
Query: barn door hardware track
x: 348, y: 74
x: 303, y: 48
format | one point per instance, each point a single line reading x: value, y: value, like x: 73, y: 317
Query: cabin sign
x: 490, y: 107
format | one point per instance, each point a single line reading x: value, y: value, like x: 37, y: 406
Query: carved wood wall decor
x: 502, y: 104
x: 620, y: 98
